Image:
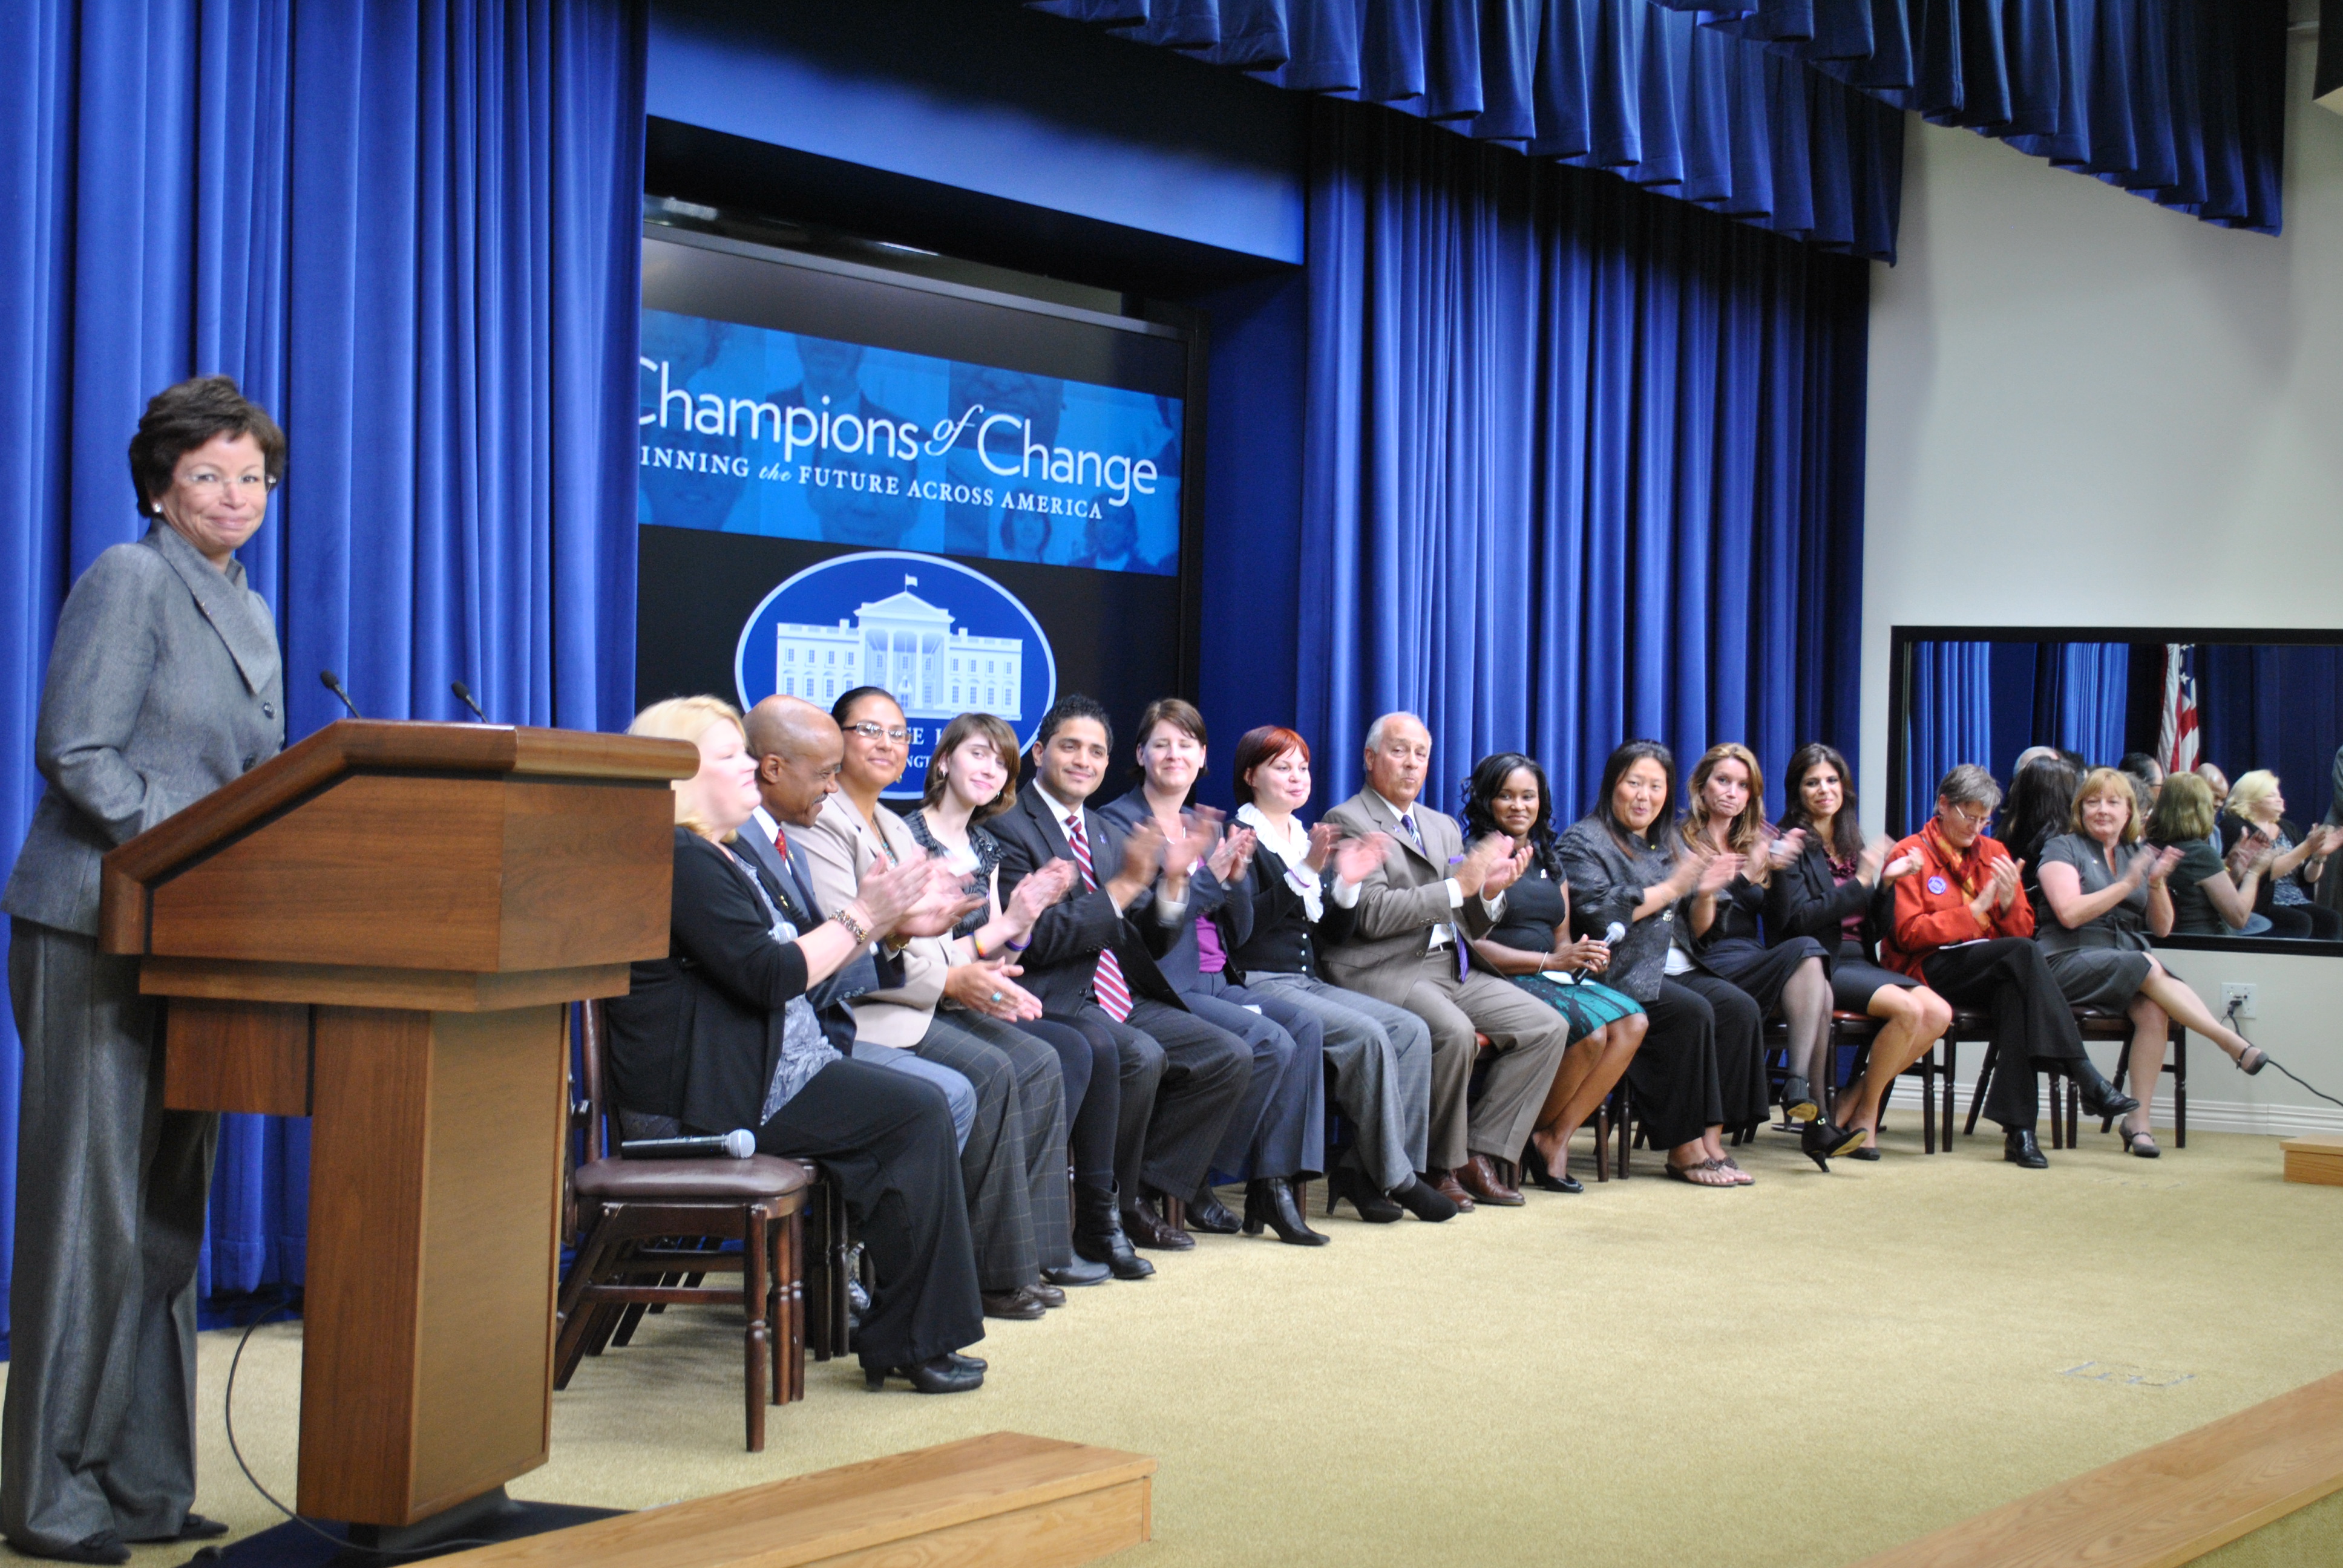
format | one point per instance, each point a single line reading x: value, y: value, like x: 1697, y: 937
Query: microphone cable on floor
x: 341, y: 1544
x: 2229, y: 1017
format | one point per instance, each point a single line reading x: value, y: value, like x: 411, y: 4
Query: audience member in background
x: 973, y: 775
x: 1728, y: 816
x: 2108, y: 890
x: 1013, y: 1165
x: 721, y: 1034
x: 1091, y: 959
x: 1380, y: 1052
x: 1962, y: 923
x: 2255, y: 821
x: 2147, y: 774
x: 1626, y: 866
x: 1414, y: 915
x: 2031, y: 755
x: 1532, y: 946
x: 2218, y: 782
x: 1277, y: 1132
x: 1836, y: 892
x: 2209, y: 899
x: 2330, y: 889
x: 2041, y: 800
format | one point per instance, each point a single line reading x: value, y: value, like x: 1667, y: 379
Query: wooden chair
x: 2066, y: 1097
x: 644, y: 1233
x: 1856, y: 1031
x: 1603, y: 1120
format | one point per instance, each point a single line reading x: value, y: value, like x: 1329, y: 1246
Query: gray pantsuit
x: 100, y: 1421
x: 164, y: 683
x: 1382, y: 1058
x: 1018, y: 1217
x: 1527, y: 1040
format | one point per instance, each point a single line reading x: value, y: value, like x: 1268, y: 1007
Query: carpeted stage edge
x: 1802, y: 1373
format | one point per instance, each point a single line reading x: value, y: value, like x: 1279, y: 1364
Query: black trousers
x: 886, y: 1138
x: 1673, y: 1073
x: 1740, y: 1048
x: 1181, y: 1079
x: 2033, y: 1027
x: 1089, y: 1060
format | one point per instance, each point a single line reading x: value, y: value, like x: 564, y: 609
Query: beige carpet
x: 1799, y: 1373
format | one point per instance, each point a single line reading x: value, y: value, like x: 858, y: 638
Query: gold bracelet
x: 852, y: 926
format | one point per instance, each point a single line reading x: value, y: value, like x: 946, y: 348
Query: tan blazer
x: 1400, y: 903
x: 839, y: 848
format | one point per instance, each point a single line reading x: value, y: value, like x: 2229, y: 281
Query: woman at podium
x: 722, y: 1034
x: 163, y: 684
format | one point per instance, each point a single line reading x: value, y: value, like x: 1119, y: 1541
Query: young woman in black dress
x: 1826, y: 892
x: 1532, y: 947
x: 1792, y: 976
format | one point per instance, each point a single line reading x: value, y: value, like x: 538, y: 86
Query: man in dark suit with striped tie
x: 1091, y: 960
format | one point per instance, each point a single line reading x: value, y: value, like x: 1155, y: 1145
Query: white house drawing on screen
x: 908, y: 646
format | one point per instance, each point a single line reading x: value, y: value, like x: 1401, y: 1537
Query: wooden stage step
x: 1003, y: 1499
x: 2164, y: 1505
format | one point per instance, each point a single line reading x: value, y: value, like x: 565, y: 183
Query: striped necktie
x: 1455, y: 937
x: 1113, y: 993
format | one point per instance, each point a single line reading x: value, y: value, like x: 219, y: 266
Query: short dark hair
x: 1073, y: 705
x: 1181, y: 715
x: 1628, y: 754
x: 1265, y: 744
x: 852, y: 695
x: 959, y: 733
x: 180, y: 419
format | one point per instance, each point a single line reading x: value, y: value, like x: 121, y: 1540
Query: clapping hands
x: 1355, y: 860
x: 1783, y: 849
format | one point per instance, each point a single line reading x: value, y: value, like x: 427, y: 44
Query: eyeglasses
x: 250, y: 486
x: 870, y: 731
x: 1973, y: 818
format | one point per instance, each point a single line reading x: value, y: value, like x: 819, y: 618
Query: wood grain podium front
x: 381, y: 929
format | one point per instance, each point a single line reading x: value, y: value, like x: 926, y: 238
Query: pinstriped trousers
x: 1014, y: 1165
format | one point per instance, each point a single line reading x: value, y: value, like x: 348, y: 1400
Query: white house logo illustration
x: 943, y: 638
x: 908, y: 646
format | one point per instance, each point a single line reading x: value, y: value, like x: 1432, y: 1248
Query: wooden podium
x: 381, y: 929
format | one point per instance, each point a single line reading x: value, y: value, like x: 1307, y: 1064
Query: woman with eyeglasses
x: 1963, y: 926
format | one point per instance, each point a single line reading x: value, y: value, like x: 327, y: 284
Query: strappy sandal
x: 1684, y: 1173
x: 1732, y: 1167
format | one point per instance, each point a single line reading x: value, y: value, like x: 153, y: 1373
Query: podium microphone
x: 464, y: 695
x: 739, y: 1144
x: 334, y: 684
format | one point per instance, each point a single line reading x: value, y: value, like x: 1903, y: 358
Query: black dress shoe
x: 1798, y: 1102
x: 937, y: 1375
x: 1206, y: 1212
x: 2017, y: 1147
x: 966, y: 1363
x: 1048, y: 1295
x: 1097, y: 1234
x: 1869, y: 1151
x: 1422, y: 1199
x: 1270, y: 1201
x: 103, y: 1546
x: 1533, y: 1166
x: 192, y: 1527
x: 1146, y: 1228
x: 1372, y: 1206
x: 2100, y: 1098
x: 1017, y: 1305
x: 1079, y: 1272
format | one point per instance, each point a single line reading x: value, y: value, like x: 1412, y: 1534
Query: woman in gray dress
x: 163, y: 684
x: 2108, y: 891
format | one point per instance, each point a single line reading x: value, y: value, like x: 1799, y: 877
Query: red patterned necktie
x: 1113, y: 994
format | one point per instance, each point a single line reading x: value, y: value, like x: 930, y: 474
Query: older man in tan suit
x: 1408, y: 946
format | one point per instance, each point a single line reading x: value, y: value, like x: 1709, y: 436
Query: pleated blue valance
x: 2181, y: 101
x: 1624, y: 86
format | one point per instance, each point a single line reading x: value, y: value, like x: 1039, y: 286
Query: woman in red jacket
x: 1964, y: 928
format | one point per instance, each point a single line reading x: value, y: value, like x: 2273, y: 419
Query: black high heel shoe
x: 1533, y: 1166
x: 1372, y: 1206
x: 1270, y: 1201
x: 1822, y: 1142
x: 1798, y: 1102
x: 937, y: 1375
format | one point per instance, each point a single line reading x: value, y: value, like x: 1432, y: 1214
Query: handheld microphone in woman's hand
x: 333, y: 683
x: 737, y: 1144
x: 1614, y: 932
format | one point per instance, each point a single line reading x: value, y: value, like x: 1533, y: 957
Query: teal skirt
x: 1586, y: 1004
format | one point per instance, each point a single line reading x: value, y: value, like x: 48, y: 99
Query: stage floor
x: 1801, y: 1374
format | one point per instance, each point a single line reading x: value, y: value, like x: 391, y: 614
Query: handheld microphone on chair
x: 464, y: 695
x: 737, y: 1144
x: 334, y: 684
x: 1614, y: 932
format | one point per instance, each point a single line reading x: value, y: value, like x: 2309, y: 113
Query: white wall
x: 2087, y: 410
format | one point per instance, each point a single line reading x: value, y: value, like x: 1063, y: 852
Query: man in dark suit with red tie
x: 1091, y: 959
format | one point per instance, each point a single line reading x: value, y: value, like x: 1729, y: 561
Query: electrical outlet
x: 2240, y: 993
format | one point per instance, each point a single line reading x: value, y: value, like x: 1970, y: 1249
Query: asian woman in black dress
x: 1826, y: 892
x: 1531, y: 945
x: 1790, y: 976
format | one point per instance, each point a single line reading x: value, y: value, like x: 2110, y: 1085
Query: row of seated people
x: 2247, y: 869
x: 956, y: 1008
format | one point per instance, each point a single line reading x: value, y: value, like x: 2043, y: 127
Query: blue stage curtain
x: 2093, y: 689
x: 1579, y: 465
x: 2277, y: 705
x: 1624, y: 86
x: 2178, y: 100
x: 411, y: 233
x: 1948, y: 723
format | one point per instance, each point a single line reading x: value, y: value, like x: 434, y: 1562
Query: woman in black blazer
x: 721, y: 1034
x: 1831, y: 892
